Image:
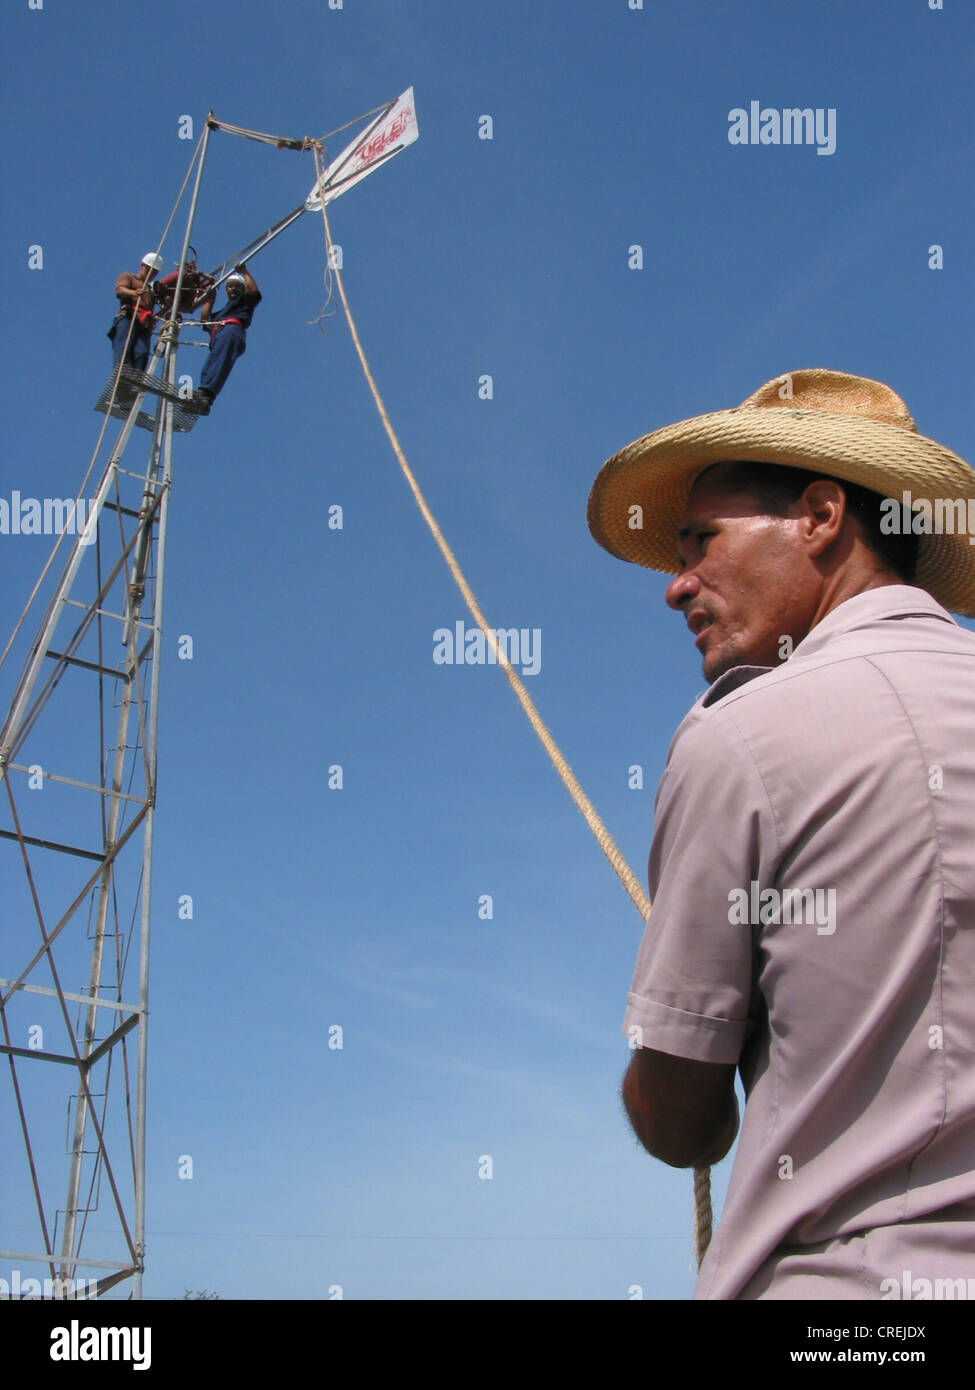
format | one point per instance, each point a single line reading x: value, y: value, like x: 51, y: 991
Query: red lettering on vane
x: 384, y: 138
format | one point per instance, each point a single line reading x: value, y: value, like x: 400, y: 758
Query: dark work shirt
x: 240, y: 308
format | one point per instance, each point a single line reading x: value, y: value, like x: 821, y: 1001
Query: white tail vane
x: 390, y: 132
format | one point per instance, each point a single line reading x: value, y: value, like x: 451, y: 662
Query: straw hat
x: 847, y: 426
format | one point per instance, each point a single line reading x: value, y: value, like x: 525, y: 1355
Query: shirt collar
x: 874, y: 605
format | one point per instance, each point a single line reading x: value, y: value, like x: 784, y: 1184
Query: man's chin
x: 718, y: 661
x: 714, y: 670
x: 729, y: 654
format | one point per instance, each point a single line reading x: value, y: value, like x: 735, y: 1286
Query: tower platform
x: 186, y: 412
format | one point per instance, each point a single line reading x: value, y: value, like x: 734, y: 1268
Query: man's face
x: 147, y: 273
x: 234, y: 288
x: 746, y: 581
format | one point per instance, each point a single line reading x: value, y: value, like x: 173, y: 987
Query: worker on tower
x: 228, y: 333
x: 135, y: 298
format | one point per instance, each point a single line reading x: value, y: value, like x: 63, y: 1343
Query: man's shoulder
x: 847, y: 687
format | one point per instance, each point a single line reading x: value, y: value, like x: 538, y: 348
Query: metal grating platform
x: 185, y: 412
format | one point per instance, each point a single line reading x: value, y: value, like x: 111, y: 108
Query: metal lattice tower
x: 77, y: 792
x: 77, y: 795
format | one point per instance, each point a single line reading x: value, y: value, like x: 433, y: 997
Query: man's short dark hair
x: 775, y: 487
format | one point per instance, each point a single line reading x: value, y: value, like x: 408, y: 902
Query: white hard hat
x: 153, y: 261
x: 236, y: 278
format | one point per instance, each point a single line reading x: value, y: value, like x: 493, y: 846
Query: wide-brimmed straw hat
x: 848, y: 427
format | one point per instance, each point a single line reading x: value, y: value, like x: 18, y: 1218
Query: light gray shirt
x: 813, y: 883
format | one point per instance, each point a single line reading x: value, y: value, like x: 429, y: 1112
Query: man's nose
x: 681, y: 588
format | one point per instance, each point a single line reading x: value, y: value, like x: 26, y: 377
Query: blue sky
x: 464, y: 257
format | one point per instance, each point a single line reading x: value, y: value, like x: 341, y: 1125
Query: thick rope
x: 703, y: 1217
x: 606, y: 842
x: 702, y: 1181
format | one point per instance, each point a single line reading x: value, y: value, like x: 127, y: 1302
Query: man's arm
x: 129, y: 287
x: 684, y: 1112
x: 695, y: 999
x: 249, y: 282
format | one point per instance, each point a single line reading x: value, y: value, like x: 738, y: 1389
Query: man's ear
x: 824, y: 511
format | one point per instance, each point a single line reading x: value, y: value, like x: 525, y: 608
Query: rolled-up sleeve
x: 714, y: 837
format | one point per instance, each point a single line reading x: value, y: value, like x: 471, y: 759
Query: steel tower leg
x: 135, y: 594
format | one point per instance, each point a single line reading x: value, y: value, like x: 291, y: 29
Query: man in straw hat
x: 813, y: 859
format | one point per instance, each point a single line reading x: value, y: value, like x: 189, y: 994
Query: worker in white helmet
x: 135, y: 299
x: 228, y: 333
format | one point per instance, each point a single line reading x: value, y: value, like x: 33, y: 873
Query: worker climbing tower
x: 78, y: 765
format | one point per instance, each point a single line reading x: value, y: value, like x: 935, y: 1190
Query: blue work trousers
x: 139, y: 343
x: 226, y: 344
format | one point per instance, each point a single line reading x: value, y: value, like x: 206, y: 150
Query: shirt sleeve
x: 714, y: 837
